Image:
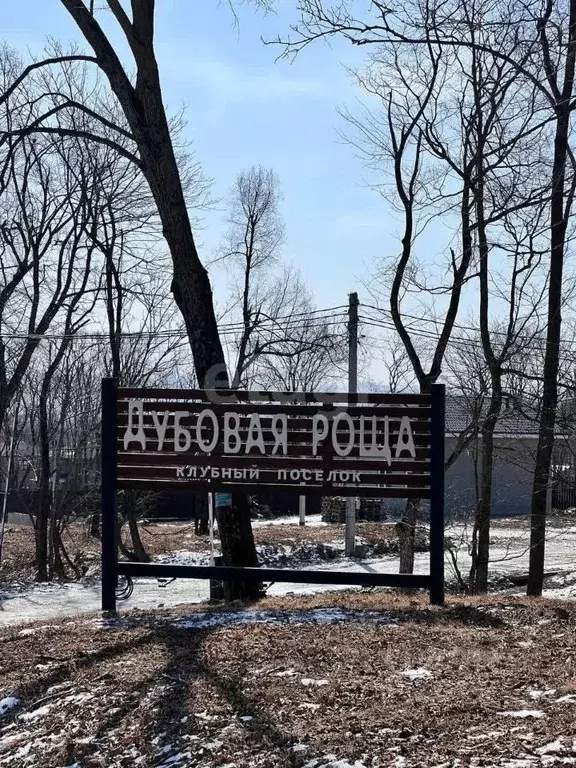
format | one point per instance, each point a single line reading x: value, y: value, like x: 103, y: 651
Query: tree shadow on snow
x: 188, y: 682
x: 225, y: 693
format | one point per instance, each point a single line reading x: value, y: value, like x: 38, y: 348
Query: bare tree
x: 252, y: 245
x: 505, y: 220
x: 40, y: 211
x: 307, y: 351
x: 73, y: 271
x: 541, y: 47
x: 400, y: 372
x: 144, y: 137
x: 279, y: 339
x: 403, y: 143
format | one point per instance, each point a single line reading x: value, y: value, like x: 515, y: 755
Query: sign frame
x: 114, y: 478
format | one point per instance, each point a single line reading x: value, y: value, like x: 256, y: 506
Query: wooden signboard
x: 334, y: 444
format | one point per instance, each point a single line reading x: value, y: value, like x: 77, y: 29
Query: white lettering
x: 282, y: 474
x: 180, y: 432
x: 281, y: 434
x: 375, y: 451
x: 346, y: 449
x: 160, y: 428
x: 179, y: 471
x: 255, y: 437
x: 207, y: 447
x: 133, y: 435
x: 408, y: 443
x: 319, y: 431
x: 254, y: 474
x: 231, y: 427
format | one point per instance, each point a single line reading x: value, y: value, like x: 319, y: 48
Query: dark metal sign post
x: 108, y: 496
x: 351, y: 445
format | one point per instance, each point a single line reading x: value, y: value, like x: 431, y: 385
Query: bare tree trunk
x: 62, y: 553
x: 550, y: 377
x: 57, y: 568
x: 237, y: 538
x: 201, y: 514
x: 41, y: 530
x: 45, y: 504
x: 95, y: 529
x: 139, y: 553
x: 478, y: 580
x: 558, y: 224
x: 406, y: 530
x: 144, y: 110
x: 143, y: 107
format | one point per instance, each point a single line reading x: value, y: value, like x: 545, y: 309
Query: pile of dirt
x: 308, y: 553
x: 289, y: 550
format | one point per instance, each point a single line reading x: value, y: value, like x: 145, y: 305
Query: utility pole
x: 350, y: 532
x: 302, y: 509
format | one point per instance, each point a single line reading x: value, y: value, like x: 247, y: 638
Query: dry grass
x: 160, y: 539
x: 150, y: 683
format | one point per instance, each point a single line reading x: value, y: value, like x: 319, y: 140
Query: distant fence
x: 69, y: 503
x: 564, y: 496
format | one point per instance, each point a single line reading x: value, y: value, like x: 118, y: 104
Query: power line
x: 459, y: 327
x: 327, y: 317
x: 269, y: 325
x: 308, y: 313
x: 424, y: 334
x: 453, y: 341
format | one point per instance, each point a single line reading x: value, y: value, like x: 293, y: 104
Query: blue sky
x: 245, y: 108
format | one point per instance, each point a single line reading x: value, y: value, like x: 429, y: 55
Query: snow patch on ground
x: 306, y: 554
x: 281, y: 618
x: 8, y: 704
x: 554, y: 747
x: 20, y: 603
x: 184, y: 557
x: 314, y: 521
x: 570, y: 698
x: 562, y: 586
x: 310, y: 681
x: 330, y: 761
x: 417, y: 674
x: 523, y: 713
x: 35, y: 714
x: 537, y: 695
x: 552, y: 754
